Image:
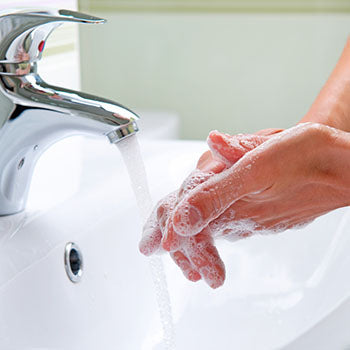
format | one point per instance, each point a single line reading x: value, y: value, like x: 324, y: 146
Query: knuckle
x: 316, y: 130
x: 166, y: 204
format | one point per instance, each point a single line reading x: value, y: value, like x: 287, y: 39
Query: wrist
x: 332, y: 105
x: 334, y: 164
x: 333, y: 112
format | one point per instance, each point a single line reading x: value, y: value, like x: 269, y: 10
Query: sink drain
x: 73, y: 262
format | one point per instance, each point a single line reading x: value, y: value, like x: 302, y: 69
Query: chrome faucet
x: 34, y: 114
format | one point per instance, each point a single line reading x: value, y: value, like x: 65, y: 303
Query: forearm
x: 332, y: 105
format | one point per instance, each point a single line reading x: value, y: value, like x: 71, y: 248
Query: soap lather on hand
x: 269, y: 181
x: 196, y: 255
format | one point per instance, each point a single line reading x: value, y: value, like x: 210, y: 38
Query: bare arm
x: 332, y: 105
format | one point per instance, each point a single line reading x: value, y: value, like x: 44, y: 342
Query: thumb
x: 210, y: 199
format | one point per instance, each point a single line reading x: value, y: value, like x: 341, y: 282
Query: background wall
x: 229, y: 68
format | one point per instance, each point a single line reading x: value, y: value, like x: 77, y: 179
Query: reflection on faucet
x: 23, y: 56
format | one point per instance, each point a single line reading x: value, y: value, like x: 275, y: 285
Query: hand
x: 298, y: 175
x: 197, y: 255
x: 157, y: 236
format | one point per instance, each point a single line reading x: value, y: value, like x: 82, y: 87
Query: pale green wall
x: 222, y: 6
x: 232, y: 72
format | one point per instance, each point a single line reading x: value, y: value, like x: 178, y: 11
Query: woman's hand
x: 197, y: 255
x: 298, y: 175
x: 158, y: 233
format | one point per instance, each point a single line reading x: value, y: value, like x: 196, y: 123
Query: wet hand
x: 294, y: 177
x: 196, y: 255
x: 159, y: 235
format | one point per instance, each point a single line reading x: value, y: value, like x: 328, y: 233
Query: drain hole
x: 73, y: 261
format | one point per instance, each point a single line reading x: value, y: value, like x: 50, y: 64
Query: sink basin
x: 286, y: 291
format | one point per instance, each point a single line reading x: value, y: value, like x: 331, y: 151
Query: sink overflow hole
x: 73, y: 261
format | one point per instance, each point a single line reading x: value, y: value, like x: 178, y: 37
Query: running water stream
x: 131, y: 154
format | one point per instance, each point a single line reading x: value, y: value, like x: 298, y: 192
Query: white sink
x: 289, y: 291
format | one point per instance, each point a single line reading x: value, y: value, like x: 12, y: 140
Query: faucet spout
x: 81, y: 112
x: 35, y: 114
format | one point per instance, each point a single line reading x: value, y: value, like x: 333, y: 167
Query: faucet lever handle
x: 23, y: 33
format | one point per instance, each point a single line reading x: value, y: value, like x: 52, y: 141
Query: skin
x: 272, y: 190
x: 157, y: 231
x: 274, y: 180
x: 197, y: 256
x: 332, y: 106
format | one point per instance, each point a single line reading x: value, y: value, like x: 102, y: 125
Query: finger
x: 196, y: 178
x: 268, y: 132
x: 171, y: 241
x: 150, y: 242
x: 231, y: 148
x: 164, y: 209
x: 208, y: 164
x: 154, y: 226
x: 288, y: 222
x: 206, y: 167
x: 205, y: 257
x: 186, y: 266
x: 228, y: 227
x: 239, y: 221
x: 151, y: 236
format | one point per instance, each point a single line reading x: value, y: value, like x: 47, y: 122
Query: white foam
x: 243, y: 143
x: 196, y: 178
x: 227, y: 227
x: 165, y: 207
x: 216, y: 150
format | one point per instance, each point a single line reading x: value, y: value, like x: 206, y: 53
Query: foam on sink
x: 131, y: 154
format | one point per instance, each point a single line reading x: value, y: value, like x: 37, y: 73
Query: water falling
x: 131, y: 154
